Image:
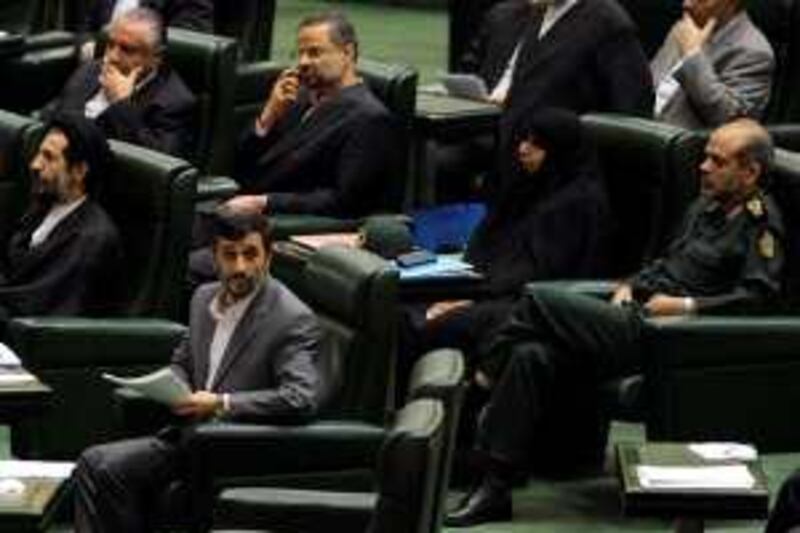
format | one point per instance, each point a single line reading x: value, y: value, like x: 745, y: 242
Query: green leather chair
x: 150, y: 198
x: 732, y: 377
x: 720, y: 377
x: 649, y: 171
x: 16, y: 136
x: 207, y: 63
x: 249, y: 21
x: 438, y: 375
x: 404, y: 499
x: 353, y: 293
x: 395, y: 85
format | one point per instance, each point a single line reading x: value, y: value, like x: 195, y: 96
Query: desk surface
x: 33, y: 508
x: 441, y: 114
x: 685, y: 503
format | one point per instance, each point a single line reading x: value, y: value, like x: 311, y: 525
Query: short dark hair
x: 86, y: 144
x: 758, y: 145
x: 340, y: 29
x: 234, y: 227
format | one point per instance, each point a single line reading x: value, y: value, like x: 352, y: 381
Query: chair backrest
x: 354, y: 294
x: 440, y: 375
x: 396, y: 86
x: 21, y: 16
x: 778, y: 20
x: 648, y: 168
x: 785, y: 188
x: 17, y: 134
x: 249, y: 21
x: 207, y: 64
x: 407, y: 465
x: 150, y: 197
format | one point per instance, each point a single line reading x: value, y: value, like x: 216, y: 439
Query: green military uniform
x: 549, y: 358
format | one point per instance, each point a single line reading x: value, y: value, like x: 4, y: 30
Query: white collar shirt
x: 53, y: 218
x: 227, y: 319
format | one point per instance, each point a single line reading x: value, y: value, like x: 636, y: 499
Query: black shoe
x: 488, y: 503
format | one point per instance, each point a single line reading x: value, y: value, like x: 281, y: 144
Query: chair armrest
x: 61, y: 342
x: 707, y: 341
x: 50, y: 39
x: 215, y: 188
x: 785, y: 135
x: 720, y: 378
x: 285, y: 225
x: 601, y: 288
x: 260, y: 450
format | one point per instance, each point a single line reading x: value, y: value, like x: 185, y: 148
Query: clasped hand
x: 201, y: 404
x: 116, y: 85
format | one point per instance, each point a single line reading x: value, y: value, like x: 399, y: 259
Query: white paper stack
x: 36, y: 469
x: 695, y: 477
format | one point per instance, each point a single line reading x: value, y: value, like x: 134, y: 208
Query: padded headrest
x: 394, y: 84
x: 336, y: 278
x: 785, y: 189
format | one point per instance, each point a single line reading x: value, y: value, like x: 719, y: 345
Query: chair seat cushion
x: 290, y: 509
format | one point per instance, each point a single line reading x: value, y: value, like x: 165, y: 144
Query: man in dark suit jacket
x: 131, y: 92
x: 195, y: 15
x: 250, y: 355
x: 323, y: 144
x: 64, y: 250
x: 579, y: 55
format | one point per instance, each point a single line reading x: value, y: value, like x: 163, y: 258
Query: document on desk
x: 443, y: 267
x: 162, y: 385
x: 735, y: 476
x: 465, y: 86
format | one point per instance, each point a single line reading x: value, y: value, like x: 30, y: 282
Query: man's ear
x: 79, y: 171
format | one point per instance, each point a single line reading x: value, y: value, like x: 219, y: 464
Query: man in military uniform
x: 547, y: 360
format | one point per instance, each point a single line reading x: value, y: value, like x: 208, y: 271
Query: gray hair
x: 148, y: 18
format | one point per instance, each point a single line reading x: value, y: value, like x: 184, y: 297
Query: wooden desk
x: 35, y: 509
x: 690, y: 507
x: 443, y: 118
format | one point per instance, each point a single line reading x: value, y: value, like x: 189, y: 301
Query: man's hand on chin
x: 201, y: 404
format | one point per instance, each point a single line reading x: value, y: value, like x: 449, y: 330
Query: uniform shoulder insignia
x: 766, y: 245
x: 756, y: 207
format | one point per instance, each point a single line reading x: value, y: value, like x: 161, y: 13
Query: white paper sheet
x: 695, y: 477
x: 162, y: 385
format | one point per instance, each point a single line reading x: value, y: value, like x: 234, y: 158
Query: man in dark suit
x: 250, y: 354
x: 131, y: 91
x: 64, y: 250
x: 579, y: 55
x: 195, y: 15
x: 322, y: 144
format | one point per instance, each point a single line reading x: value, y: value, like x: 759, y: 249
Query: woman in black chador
x: 547, y: 218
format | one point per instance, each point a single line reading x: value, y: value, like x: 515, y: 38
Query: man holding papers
x: 250, y: 355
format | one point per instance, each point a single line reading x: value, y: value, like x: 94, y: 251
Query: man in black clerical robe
x: 65, y: 255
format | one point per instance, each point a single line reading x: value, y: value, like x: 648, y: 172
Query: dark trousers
x: 547, y: 363
x: 786, y: 513
x: 117, y: 485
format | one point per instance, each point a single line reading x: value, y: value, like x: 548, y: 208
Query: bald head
x: 751, y: 141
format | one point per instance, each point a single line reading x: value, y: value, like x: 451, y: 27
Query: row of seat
x: 249, y: 21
